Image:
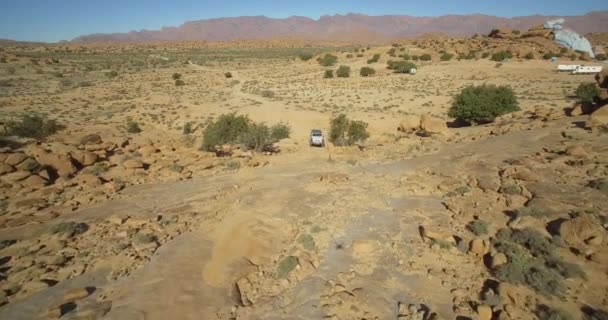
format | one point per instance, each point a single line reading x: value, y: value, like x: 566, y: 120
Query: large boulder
x: 85, y: 158
x: 133, y: 164
x: 581, y: 231
x: 5, y: 168
x: 409, y: 123
x: 502, y: 33
x: 62, y: 163
x: 598, y: 118
x: 91, y: 139
x: 433, y: 125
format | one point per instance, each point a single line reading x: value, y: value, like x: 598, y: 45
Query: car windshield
x: 317, y: 134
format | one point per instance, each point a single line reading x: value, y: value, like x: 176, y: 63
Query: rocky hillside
x: 339, y: 27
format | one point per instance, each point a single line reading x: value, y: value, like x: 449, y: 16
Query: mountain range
x: 350, y: 27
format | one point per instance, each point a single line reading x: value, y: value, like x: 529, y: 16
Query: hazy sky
x: 54, y: 20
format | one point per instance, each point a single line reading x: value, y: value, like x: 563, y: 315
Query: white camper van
x: 567, y: 67
x: 587, y: 69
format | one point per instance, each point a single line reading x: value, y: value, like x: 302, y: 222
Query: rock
x: 77, y: 294
x: 502, y: 33
x: 242, y: 154
x: 148, y: 150
x: 116, y: 220
x: 576, y: 151
x: 479, y: 246
x: 86, y: 158
x: 15, y: 158
x: 34, y: 181
x: 433, y: 125
x: 32, y: 287
x: 484, y: 312
x: 437, y: 233
x: 598, y: 118
x: 577, y: 231
x: 133, y: 164
x: 363, y: 246
x: 244, y: 287
x: 31, y: 203
x: 91, y: 139
x: 409, y: 123
x: 57, y: 311
x: 498, y: 260
x: 88, y: 179
x: 62, y: 163
x: 16, y: 176
x: 5, y: 168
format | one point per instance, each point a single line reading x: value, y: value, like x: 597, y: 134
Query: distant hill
x: 346, y: 27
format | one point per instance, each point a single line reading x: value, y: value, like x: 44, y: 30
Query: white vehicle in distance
x: 316, y: 138
x: 567, y: 67
x: 587, y: 70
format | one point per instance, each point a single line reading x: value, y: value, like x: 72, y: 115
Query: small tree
x: 502, y: 56
x: 481, y: 104
x: 133, y: 127
x: 401, y: 66
x: 425, y: 57
x: 345, y: 132
x: 256, y: 136
x: 328, y: 60
x: 587, y: 92
x: 343, y: 72
x: 328, y: 74
x: 227, y: 129
x: 280, y: 131
x: 367, y: 71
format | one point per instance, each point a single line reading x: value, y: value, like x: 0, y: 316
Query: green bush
x: 502, y: 56
x: 69, y: 228
x: 187, y: 128
x: 425, y: 57
x: 401, y: 66
x: 343, y: 72
x: 601, y: 57
x: 32, y: 126
x: 179, y: 83
x: 305, y: 56
x: 529, y: 56
x: 268, y: 94
x: 482, y: 104
x: 227, y: 129
x: 346, y: 132
x: 549, y: 55
x: 485, y: 55
x: 367, y: 71
x: 328, y: 74
x: 239, y: 129
x: 328, y: 60
x: 405, y: 56
x: 547, y: 313
x: 531, y: 211
x: 478, y: 227
x: 176, y: 76
x: 446, y: 57
x: 599, y: 184
x: 587, y: 91
x: 133, y: 127
x: 391, y: 52
x: 511, y: 189
x: 228, y: 75
x: 374, y: 59
x: 280, y: 131
x: 256, y: 137
x: 111, y: 74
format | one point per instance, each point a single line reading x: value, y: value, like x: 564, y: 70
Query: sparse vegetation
x: 328, y: 60
x: 305, y: 56
x: 32, y: 126
x: 425, y: 57
x: 346, y: 132
x: 482, y: 104
x: 69, y: 228
x: 367, y: 71
x: 478, y: 227
x: 446, y: 56
x: 587, y: 92
x: 343, y: 72
x: 228, y: 75
x: 133, y: 127
x: 502, y: 56
x: 401, y: 66
x: 374, y: 59
x: 328, y: 74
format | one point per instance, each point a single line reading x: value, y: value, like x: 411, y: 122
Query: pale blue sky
x: 54, y: 20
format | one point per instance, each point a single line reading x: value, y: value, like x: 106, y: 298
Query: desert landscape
x: 174, y: 179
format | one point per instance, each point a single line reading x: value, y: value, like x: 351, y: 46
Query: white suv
x: 316, y: 138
